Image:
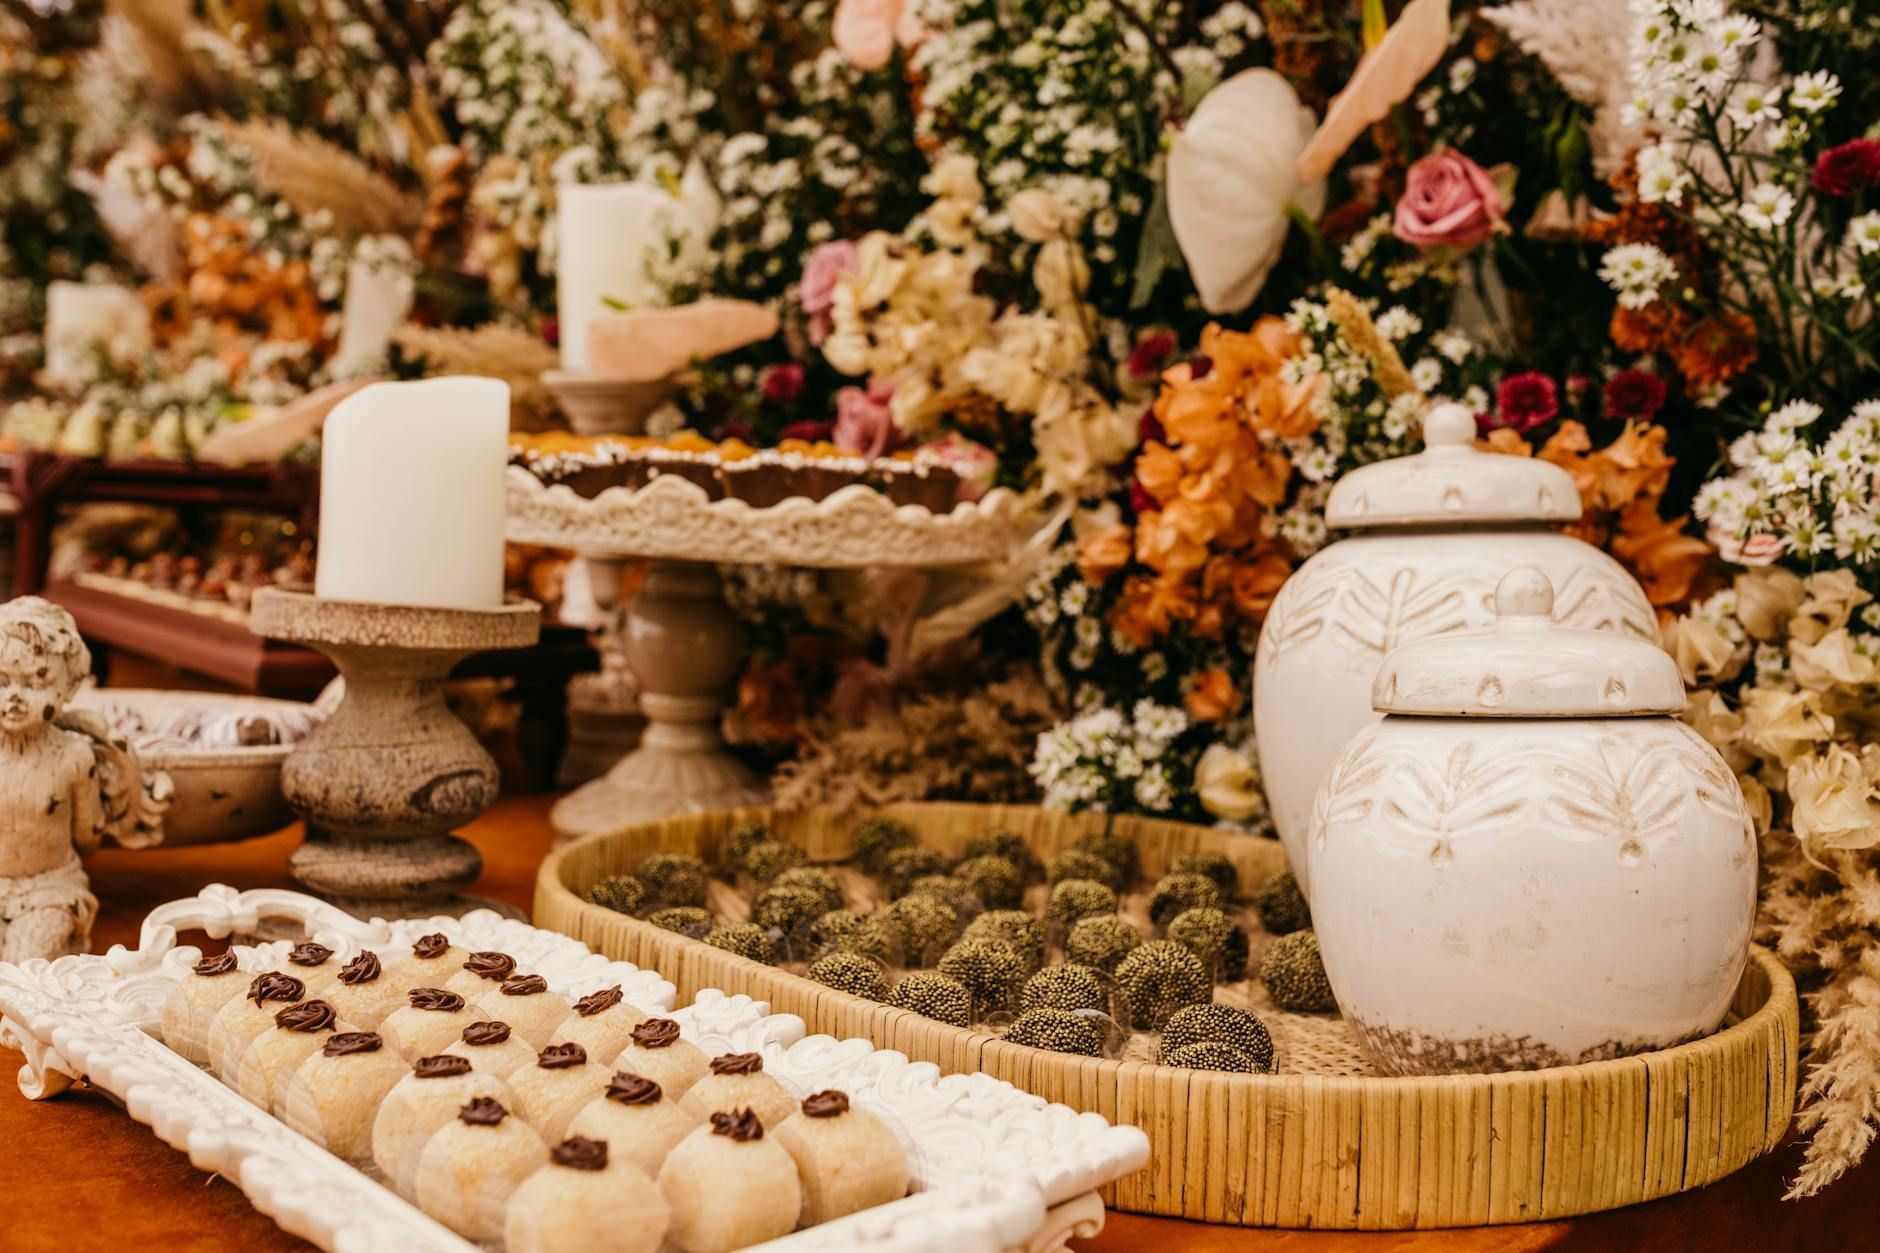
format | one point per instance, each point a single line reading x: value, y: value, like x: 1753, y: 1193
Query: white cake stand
x: 682, y: 641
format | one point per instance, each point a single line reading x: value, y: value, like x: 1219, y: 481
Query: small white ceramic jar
x: 1530, y: 861
x: 1436, y: 530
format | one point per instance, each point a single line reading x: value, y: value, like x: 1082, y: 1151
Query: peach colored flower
x: 1159, y: 471
x: 1103, y: 553
x: 1149, y: 607
x: 1213, y: 697
x: 864, y: 31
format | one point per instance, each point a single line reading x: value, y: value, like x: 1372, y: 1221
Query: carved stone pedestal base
x: 604, y: 406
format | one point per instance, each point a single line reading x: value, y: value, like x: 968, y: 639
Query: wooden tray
x: 1336, y: 1149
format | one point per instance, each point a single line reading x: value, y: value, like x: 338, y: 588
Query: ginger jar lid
x: 1528, y: 666
x: 1452, y: 480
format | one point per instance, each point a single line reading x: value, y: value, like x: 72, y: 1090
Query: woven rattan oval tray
x: 1321, y: 1144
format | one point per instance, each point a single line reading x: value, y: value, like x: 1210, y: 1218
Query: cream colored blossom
x: 1062, y: 276
x: 954, y: 177
x: 1782, y: 725
x: 1722, y: 726
x: 1077, y: 444
x: 1037, y: 215
x: 1703, y: 654
x: 1829, y: 661
x: 1835, y: 802
x: 1765, y: 598
x: 1762, y: 809
x: 1833, y: 596
x: 1228, y: 784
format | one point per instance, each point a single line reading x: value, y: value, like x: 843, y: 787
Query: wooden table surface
x: 81, y: 1176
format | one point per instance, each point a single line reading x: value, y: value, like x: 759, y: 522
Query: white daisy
x: 1767, y: 207
x: 1815, y: 91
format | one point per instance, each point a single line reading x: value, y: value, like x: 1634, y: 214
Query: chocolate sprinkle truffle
x: 745, y: 838
x: 1102, y: 941
x: 1175, y: 893
x: 1212, y: 936
x: 1058, y: 1030
x: 934, y: 995
x: 1024, y: 933
x: 746, y: 939
x: 996, y: 881
x: 848, y: 972
x: 1281, y: 905
x: 991, y: 970
x: 901, y: 867
x: 1294, y: 974
x: 925, y: 926
x: 814, y: 879
x: 1118, y: 850
x: 1073, y: 900
x: 1007, y: 844
x: 1074, y: 863
x: 1213, y: 1055
x: 621, y: 893
x: 674, y: 878
x: 1159, y: 978
x: 1218, y: 1024
x: 875, y: 838
x: 1215, y: 866
x: 771, y: 858
x: 1065, y: 987
x: 683, y: 920
x: 845, y: 931
x: 788, y: 909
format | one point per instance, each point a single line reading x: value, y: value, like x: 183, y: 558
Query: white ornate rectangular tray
x: 994, y: 1169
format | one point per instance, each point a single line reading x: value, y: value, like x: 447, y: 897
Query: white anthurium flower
x: 1231, y: 180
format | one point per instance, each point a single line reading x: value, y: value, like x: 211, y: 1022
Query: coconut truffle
x: 1218, y: 1024
x: 990, y: 969
x: 493, y: 1048
x: 1210, y: 935
x: 675, y: 879
x: 601, y: 1022
x: 1073, y: 900
x: 1118, y: 850
x: 845, y: 931
x: 847, y: 1160
x: 468, y: 1170
x: 657, y: 1052
x: 1059, y: 1030
x: 621, y: 893
x: 875, y: 838
x: 299, y: 1031
x: 814, y: 879
x: 362, y: 995
x: 526, y: 1004
x: 1281, y: 905
x: 1074, y: 863
x: 481, y: 972
x: 934, y: 995
x: 851, y: 973
x: 1015, y: 927
x: 429, y: 963
x: 771, y: 858
x: 1215, y: 866
x: 686, y: 920
x: 639, y: 1122
x: 746, y: 939
x: 1213, y: 1055
x: 587, y: 1197
x: 1102, y: 941
x: 557, y: 1087
x: 1065, y: 987
x: 1175, y: 893
x: 994, y: 880
x: 788, y: 909
x: 430, y: 1019
x: 192, y: 1004
x: 925, y: 926
x: 1007, y: 844
x: 1294, y: 974
x: 1160, y: 977
x: 707, y: 1216
x: 333, y: 1096
x: 424, y: 1100
x: 314, y: 965
x: 737, y: 1081
x: 238, y: 1022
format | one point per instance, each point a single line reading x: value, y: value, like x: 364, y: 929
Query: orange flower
x: 1651, y: 329
x: 1257, y: 582
x: 1102, y: 553
x: 1634, y: 465
x: 1149, y: 606
x: 1507, y: 441
x: 1165, y: 548
x: 1159, y: 471
x: 1665, y: 558
x: 1716, y: 350
x: 1212, y: 698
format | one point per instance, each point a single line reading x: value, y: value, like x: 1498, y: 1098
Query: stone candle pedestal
x: 392, y: 772
x: 605, y: 406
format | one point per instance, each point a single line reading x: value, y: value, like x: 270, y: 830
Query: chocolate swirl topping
x: 741, y: 1126
x: 598, y: 1002
x: 275, y: 986
x: 434, y: 998
x: 737, y: 1063
x: 443, y: 1066
x: 307, y: 1016
x: 430, y: 946
x: 309, y: 954
x: 656, y: 1033
x: 632, y: 1089
x: 348, y: 1042
x: 220, y: 964
x: 561, y: 1056
x: 486, y: 1033
x: 485, y: 1111
x: 361, y: 969
x: 825, y: 1104
x: 524, y: 985
x: 493, y: 966
x: 580, y: 1153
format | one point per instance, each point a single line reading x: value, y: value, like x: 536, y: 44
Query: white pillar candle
x: 604, y: 236
x: 412, y: 496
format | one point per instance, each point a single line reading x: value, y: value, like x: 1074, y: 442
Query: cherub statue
x: 65, y: 784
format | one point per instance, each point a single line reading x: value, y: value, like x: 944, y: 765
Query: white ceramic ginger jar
x: 1435, y: 532
x: 1530, y: 861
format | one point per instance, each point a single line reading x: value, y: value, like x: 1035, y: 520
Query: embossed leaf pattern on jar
x: 1530, y: 861
x: 1435, y: 532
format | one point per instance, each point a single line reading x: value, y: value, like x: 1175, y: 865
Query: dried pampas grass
x: 315, y: 176
x: 493, y: 351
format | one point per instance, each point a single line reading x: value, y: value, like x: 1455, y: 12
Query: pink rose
x: 827, y: 266
x: 1449, y: 202
x: 1758, y: 550
x: 864, y: 423
x: 864, y: 31
x: 977, y: 465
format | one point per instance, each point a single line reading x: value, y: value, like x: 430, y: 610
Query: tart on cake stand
x: 681, y: 639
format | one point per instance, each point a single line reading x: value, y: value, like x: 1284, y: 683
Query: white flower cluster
x: 1107, y: 759
x: 1637, y: 272
x: 1786, y: 496
x: 1685, y: 55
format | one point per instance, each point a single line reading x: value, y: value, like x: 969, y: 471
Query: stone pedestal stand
x: 392, y: 772
x: 604, y: 406
x: 605, y: 720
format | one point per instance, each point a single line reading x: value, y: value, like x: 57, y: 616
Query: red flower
x: 1525, y: 400
x: 1149, y: 429
x: 1634, y: 394
x: 783, y: 383
x: 810, y: 432
x: 1846, y: 168
x: 1140, y: 501
x: 1150, y: 352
